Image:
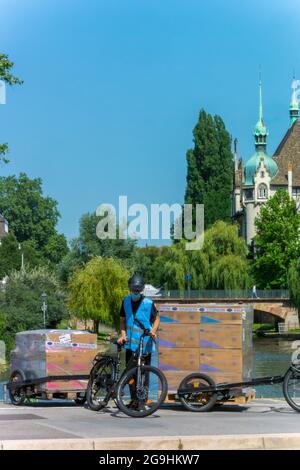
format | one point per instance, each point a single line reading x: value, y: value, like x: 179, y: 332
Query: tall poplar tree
x: 210, y: 169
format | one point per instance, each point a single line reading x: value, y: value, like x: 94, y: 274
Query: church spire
x: 294, y: 105
x: 260, y: 131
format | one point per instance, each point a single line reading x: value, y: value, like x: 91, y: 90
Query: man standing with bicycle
x: 137, y: 313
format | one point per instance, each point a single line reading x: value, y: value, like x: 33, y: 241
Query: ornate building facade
x: 262, y: 175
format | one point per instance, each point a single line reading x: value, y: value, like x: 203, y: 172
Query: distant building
x: 3, y: 227
x: 256, y: 181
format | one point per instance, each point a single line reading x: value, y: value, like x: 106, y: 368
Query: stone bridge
x: 279, y: 308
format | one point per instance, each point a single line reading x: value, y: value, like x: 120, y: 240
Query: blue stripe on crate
x: 163, y: 366
x: 164, y: 319
x: 208, y: 344
x: 207, y: 368
x: 166, y: 343
x: 208, y: 320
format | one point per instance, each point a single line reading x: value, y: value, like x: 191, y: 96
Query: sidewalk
x: 263, y: 424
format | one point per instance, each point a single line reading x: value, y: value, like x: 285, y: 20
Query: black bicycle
x: 198, y: 392
x: 138, y: 392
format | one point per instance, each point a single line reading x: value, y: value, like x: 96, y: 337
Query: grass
x: 263, y: 326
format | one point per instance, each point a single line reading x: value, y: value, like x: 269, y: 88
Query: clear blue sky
x: 112, y: 90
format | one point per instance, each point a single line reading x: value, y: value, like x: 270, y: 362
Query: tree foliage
x: 6, y: 75
x: 88, y: 245
x: 210, y: 169
x: 294, y: 284
x: 11, y: 252
x: 221, y: 264
x: 277, y: 241
x: 20, y: 301
x: 31, y: 215
x: 96, y: 290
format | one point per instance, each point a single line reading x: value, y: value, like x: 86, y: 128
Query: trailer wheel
x: 197, y: 399
x: 80, y: 399
x: 18, y: 395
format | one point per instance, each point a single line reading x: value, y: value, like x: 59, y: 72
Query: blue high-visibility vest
x: 133, y: 330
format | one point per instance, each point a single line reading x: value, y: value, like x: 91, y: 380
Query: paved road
x: 60, y: 422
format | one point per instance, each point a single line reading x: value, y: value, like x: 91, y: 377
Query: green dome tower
x: 260, y: 136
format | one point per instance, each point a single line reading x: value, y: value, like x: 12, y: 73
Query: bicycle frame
x: 116, y: 362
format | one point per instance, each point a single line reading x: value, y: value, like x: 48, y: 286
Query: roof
x: 288, y: 151
x: 253, y: 163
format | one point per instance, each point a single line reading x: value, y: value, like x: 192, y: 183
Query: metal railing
x: 226, y: 294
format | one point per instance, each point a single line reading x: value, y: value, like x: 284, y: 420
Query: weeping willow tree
x: 227, y: 257
x: 294, y: 285
x: 96, y: 291
x: 221, y: 264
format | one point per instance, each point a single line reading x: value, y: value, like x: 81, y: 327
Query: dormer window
x: 262, y: 174
x: 262, y: 191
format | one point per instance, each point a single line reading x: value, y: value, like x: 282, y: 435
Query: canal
x: 271, y: 356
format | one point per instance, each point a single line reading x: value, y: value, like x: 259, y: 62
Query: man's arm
x: 156, y: 325
x: 123, y: 328
x: 155, y: 317
x: 122, y: 325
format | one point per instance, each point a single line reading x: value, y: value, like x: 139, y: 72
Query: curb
x: 227, y: 442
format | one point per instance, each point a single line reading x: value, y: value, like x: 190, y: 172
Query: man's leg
x: 132, y: 386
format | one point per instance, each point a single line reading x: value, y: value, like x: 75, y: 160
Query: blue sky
x: 112, y: 90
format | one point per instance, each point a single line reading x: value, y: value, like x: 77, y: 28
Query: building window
x: 249, y: 194
x: 262, y: 174
x: 262, y: 191
x: 296, y: 192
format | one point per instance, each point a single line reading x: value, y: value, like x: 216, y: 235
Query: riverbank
x: 274, y: 334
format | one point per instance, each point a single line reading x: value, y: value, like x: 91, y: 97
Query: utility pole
x: 44, y: 307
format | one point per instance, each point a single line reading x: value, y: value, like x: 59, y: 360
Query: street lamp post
x: 22, y: 257
x: 44, y: 307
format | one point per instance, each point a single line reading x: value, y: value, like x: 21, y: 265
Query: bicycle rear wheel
x: 291, y: 388
x: 140, y: 393
x: 99, y: 384
x: 197, y: 399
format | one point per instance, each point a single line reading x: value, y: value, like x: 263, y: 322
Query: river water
x: 271, y: 356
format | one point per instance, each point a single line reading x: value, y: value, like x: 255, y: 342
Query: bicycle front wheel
x: 141, y: 391
x: 291, y: 388
x: 99, y: 383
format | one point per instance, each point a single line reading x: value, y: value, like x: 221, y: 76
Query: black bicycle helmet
x: 136, y: 283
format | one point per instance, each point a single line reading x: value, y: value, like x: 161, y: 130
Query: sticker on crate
x: 55, y: 344
x: 168, y: 308
x: 65, y: 338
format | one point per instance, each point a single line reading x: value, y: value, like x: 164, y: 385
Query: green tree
x: 276, y: 241
x: 210, y: 169
x: 20, y: 301
x: 221, y: 263
x: 96, y: 291
x: 88, y: 245
x: 294, y: 284
x: 6, y: 67
x: 146, y: 260
x: 31, y: 215
x: 10, y: 255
